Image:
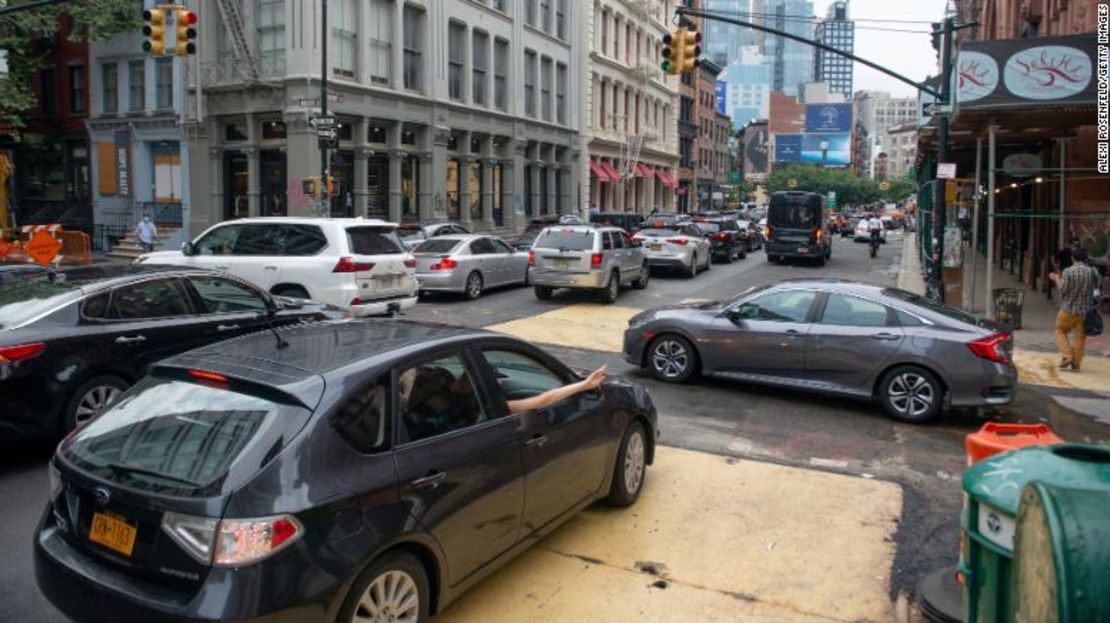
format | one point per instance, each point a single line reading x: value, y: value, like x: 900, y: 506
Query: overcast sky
x: 910, y: 54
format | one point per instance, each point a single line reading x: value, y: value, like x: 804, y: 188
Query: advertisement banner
x: 828, y: 118
x: 788, y: 148
x: 756, y: 163
x: 123, y: 163
x: 827, y: 149
x: 1019, y: 72
x: 722, y: 96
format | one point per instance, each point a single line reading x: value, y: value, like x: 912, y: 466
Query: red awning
x: 599, y: 172
x: 642, y: 170
x: 614, y: 174
x: 665, y: 178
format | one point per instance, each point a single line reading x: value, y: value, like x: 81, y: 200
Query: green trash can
x: 992, y: 490
x: 1062, y: 555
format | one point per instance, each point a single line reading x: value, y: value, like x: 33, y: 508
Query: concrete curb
x: 910, y: 277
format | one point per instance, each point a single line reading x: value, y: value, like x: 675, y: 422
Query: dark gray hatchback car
x: 366, y: 471
x: 913, y: 355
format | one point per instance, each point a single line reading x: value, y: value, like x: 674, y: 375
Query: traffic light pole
x: 324, y: 208
x: 940, y: 209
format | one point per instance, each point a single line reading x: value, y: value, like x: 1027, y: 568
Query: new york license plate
x: 113, y: 531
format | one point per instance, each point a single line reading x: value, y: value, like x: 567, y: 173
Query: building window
x: 77, y: 89
x: 545, y: 15
x: 601, y: 107
x: 480, y: 66
x: 501, y: 74
x: 499, y: 5
x: 414, y: 42
x: 455, y: 51
x: 628, y: 30
x: 376, y: 134
x: 475, y: 173
x: 604, y: 32
x: 344, y: 19
x: 163, y: 80
x: 530, y: 83
x: 545, y: 89
x: 109, y: 83
x: 530, y: 12
x: 47, y: 100
x: 498, y: 189
x: 273, y: 130
x: 561, y: 19
x: 380, y: 40
x: 234, y: 132
x: 453, y: 189
x: 271, y: 35
x: 561, y: 93
x: 410, y: 185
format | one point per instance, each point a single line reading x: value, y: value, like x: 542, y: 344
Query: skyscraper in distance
x: 837, y: 31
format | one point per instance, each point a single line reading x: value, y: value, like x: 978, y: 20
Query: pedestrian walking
x: 1061, y: 262
x: 1077, y: 286
x: 147, y: 233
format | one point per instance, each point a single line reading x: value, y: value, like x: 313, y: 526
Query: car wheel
x: 296, y: 292
x: 543, y: 293
x: 631, y: 467
x: 528, y: 276
x: 743, y: 252
x: 90, y: 399
x: 692, y: 271
x: 473, y: 285
x: 393, y: 588
x: 672, y: 359
x: 911, y: 394
x: 729, y: 256
x: 822, y: 260
x: 708, y: 261
x: 645, y: 276
x: 612, y: 288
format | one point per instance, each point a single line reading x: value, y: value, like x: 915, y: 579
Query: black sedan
x: 71, y: 342
x: 368, y: 471
x: 725, y: 243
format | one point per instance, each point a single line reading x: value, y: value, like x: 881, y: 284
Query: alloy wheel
x: 474, y: 285
x: 94, y: 402
x: 634, y: 462
x: 669, y: 358
x: 910, y: 394
x: 392, y: 596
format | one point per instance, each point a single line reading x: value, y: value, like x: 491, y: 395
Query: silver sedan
x: 468, y: 264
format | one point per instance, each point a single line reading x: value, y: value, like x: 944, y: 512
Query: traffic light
x: 668, y: 65
x: 154, y: 29
x: 183, y: 25
x: 689, y: 40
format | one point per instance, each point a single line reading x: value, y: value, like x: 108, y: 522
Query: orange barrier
x: 994, y: 438
x: 76, y: 246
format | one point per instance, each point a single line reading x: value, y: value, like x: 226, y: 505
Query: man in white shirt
x: 146, y: 232
x: 875, y: 226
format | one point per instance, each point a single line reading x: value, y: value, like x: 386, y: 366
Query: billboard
x: 756, y: 164
x: 788, y: 148
x: 828, y: 118
x: 722, y: 96
x: 1043, y: 71
x: 828, y: 149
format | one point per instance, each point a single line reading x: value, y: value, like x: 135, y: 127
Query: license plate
x: 803, y: 250
x: 387, y: 282
x: 562, y: 263
x: 113, y: 531
x: 656, y: 247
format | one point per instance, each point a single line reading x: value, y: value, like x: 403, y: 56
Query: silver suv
x: 584, y: 257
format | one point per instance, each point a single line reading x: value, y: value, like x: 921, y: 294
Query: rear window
x: 794, y: 216
x: 410, y: 233
x: 436, y: 245
x: 660, y: 231
x: 179, y: 438
x: 931, y: 305
x: 23, y: 300
x: 566, y: 239
x: 708, y: 228
x: 373, y: 241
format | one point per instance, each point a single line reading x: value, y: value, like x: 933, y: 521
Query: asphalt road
x: 724, y: 418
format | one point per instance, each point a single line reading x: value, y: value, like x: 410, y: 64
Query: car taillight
x: 721, y: 235
x: 231, y: 542
x: 595, y: 260
x: 817, y: 233
x: 994, y: 347
x: 445, y: 264
x: 22, y: 352
x: 767, y: 233
x: 410, y: 262
x: 205, y: 375
x: 681, y: 241
x: 349, y: 265
x: 531, y: 257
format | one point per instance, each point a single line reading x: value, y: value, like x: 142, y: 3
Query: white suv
x: 353, y: 263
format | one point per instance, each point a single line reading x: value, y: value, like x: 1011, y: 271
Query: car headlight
x: 55, y: 480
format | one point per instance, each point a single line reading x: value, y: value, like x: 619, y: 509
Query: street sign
x: 792, y: 183
x: 933, y: 108
x: 326, y: 121
x: 831, y: 201
x: 884, y: 186
x: 328, y: 133
x: 43, y: 248
x: 946, y: 171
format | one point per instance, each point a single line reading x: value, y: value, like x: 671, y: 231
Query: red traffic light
x: 697, y: 37
x: 191, y: 18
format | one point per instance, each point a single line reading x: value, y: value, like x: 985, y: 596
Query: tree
x: 93, y: 19
x: 850, y: 189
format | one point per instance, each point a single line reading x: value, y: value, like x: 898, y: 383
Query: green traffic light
x: 666, y: 66
x: 146, y: 46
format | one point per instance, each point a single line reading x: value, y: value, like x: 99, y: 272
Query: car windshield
x: 373, y: 241
x: 933, y: 306
x: 437, y: 245
x: 410, y: 233
x: 21, y: 301
x: 793, y: 216
x: 566, y: 239
x: 708, y: 228
x: 660, y: 232
x: 175, y: 437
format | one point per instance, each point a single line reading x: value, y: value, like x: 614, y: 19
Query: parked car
x: 12, y: 273
x: 533, y: 229
x: 628, y: 221
x: 71, y: 344
x: 468, y: 264
x: 911, y: 354
x: 412, y: 234
x: 679, y: 246
x: 585, y: 257
x: 369, y: 471
x: 849, y: 229
x: 724, y: 243
x: 353, y: 263
x: 796, y: 227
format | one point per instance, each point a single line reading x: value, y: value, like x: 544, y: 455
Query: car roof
x: 94, y: 278
x: 313, y: 220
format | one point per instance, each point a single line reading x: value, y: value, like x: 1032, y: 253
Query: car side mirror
x: 187, y: 249
x: 736, y: 315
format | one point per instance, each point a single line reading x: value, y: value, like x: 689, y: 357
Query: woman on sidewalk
x: 1077, y: 296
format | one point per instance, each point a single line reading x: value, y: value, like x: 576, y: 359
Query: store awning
x: 614, y: 174
x: 601, y: 173
x: 665, y: 178
x: 642, y: 170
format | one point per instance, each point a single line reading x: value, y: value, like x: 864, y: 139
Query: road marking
x: 586, y: 325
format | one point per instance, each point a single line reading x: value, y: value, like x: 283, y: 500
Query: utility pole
x: 940, y: 210
x: 325, y: 167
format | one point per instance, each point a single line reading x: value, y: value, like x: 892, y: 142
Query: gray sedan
x: 468, y: 264
x: 911, y: 354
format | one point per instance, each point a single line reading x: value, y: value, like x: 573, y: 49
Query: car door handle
x: 538, y: 440
x: 269, y: 267
x: 884, y: 336
x: 792, y: 333
x: 224, y: 267
x: 130, y: 339
x: 227, y: 327
x: 431, y: 481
